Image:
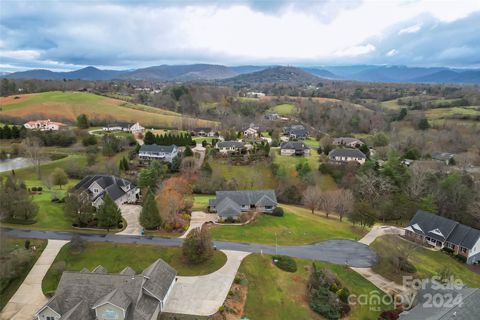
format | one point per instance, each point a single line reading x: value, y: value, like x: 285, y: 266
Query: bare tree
x: 311, y: 198
x: 372, y: 187
x: 417, y: 184
x: 344, y: 201
x: 32, y: 148
x: 327, y: 202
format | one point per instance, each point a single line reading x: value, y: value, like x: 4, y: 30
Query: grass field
x: 14, y: 248
x: 275, y: 294
x: 427, y: 262
x: 200, y: 201
x: 445, y: 113
x: 284, y: 109
x: 260, y: 178
x: 68, y: 105
x: 115, y: 257
x: 298, y: 226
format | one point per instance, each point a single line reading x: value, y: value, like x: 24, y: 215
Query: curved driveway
x: 343, y: 252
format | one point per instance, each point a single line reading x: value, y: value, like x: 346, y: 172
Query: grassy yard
x: 275, y: 294
x: 115, y: 257
x: 68, y: 105
x: 298, y: 226
x: 284, y: 109
x: 260, y: 178
x: 200, y: 201
x: 11, y: 250
x: 427, y: 262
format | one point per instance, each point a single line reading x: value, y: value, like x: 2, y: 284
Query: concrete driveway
x: 203, y: 295
x: 29, y: 297
x: 198, y: 219
x: 131, y: 214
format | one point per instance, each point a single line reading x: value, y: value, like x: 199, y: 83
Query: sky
x: 68, y: 35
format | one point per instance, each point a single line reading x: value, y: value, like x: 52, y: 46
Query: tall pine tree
x: 150, y: 216
x: 108, y: 214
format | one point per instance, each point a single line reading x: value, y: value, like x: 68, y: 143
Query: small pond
x: 15, y: 163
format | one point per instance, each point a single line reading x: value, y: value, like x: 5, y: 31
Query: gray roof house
x: 297, y: 148
x: 440, y: 232
x: 100, y: 295
x: 347, y: 155
x: 296, y: 131
x: 149, y: 152
x: 443, y: 157
x: 347, y: 141
x: 95, y: 187
x: 230, y: 146
x: 459, y: 303
x: 233, y: 203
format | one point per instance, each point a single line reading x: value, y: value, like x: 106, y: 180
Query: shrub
x: 461, y: 258
x: 448, y: 250
x: 343, y: 295
x: 39, y: 189
x: 285, y: 263
x: 278, y: 212
x: 27, y: 244
x: 229, y: 220
x: 406, y: 266
x: 34, y: 189
x: 390, y: 315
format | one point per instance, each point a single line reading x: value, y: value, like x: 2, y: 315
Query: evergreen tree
x: 15, y: 132
x: 150, y: 216
x: 82, y: 121
x: 108, y: 214
x: 7, y: 132
x: 123, y: 165
x: 149, y: 138
x: 188, y: 152
x: 423, y: 124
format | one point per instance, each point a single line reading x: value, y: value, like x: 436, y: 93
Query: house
x: 272, y: 116
x: 203, y: 132
x: 136, y: 128
x: 116, y: 127
x: 297, y: 131
x: 44, y: 125
x: 230, y: 204
x: 149, y: 152
x: 450, y: 302
x: 347, y: 155
x: 445, y: 157
x: 440, y: 232
x: 230, y: 146
x: 252, y: 131
x: 95, y: 187
x: 100, y: 295
x: 252, y: 94
x: 291, y: 148
x: 349, y: 142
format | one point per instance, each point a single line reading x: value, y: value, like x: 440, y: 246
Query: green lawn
x: 200, y: 202
x: 260, y: 178
x: 14, y: 249
x: 275, y: 294
x: 284, y: 109
x: 297, y: 227
x: 312, y: 143
x: 115, y: 257
x: 427, y: 262
x: 445, y: 113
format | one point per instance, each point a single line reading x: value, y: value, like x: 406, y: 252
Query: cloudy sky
x: 66, y: 35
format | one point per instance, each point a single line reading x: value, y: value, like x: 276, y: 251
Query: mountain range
x: 264, y: 74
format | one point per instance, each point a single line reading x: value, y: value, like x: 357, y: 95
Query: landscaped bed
x: 298, y: 226
x: 428, y: 263
x: 16, y: 262
x: 115, y: 257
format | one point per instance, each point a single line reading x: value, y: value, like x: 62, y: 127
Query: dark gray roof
x: 296, y: 130
x: 128, y: 271
x: 442, y: 156
x: 346, y: 152
x: 346, y: 140
x: 157, y: 148
x: 228, y: 208
x: 78, y: 292
x: 229, y: 203
x: 111, y: 184
x: 99, y: 269
x: 453, y: 231
x: 296, y: 145
x: 230, y: 144
x: 465, y: 307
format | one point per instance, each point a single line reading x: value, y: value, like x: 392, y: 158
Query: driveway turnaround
x: 203, y: 295
x: 29, y: 297
x: 343, y: 252
x: 198, y: 219
x: 131, y: 214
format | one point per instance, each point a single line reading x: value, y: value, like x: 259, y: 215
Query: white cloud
x: 392, y: 53
x: 411, y: 29
x: 356, y: 51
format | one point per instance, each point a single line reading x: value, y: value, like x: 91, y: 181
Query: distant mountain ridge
x: 263, y: 74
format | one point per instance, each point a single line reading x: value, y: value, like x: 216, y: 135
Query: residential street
x: 343, y: 252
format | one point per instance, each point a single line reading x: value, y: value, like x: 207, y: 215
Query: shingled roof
x: 230, y: 144
x: 157, y: 148
x: 346, y: 152
x: 295, y: 145
x: 79, y: 293
x: 229, y: 203
x: 112, y: 185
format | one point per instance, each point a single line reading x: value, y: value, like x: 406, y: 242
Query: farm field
x: 276, y: 294
x: 66, y: 106
x: 115, y: 257
x: 428, y: 263
x: 298, y: 226
x: 284, y: 109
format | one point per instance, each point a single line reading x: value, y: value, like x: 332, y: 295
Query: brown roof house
x: 100, y: 295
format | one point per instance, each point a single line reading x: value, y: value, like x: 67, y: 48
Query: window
x: 50, y: 318
x: 464, y: 250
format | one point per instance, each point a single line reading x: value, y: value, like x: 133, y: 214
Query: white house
x: 157, y: 152
x: 116, y: 127
x: 137, y: 128
x: 347, y: 155
x: 44, y: 125
x: 230, y: 146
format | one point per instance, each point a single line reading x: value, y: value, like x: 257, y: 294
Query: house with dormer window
x: 440, y: 232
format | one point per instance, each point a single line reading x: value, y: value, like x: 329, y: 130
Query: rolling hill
x: 290, y: 75
x: 66, y: 106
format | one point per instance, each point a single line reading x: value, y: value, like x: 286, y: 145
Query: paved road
x: 203, y: 295
x: 29, y: 296
x: 343, y: 252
